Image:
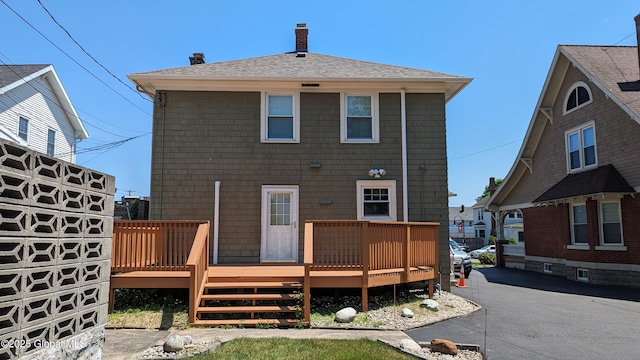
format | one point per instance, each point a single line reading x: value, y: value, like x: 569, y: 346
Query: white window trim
x: 55, y: 133
x: 574, y: 245
x: 579, y: 129
x: 375, y: 118
x: 263, y: 117
x: 566, y: 98
x: 584, y: 272
x: 547, y: 268
x: 604, y: 246
x: 377, y: 184
x: 28, y: 128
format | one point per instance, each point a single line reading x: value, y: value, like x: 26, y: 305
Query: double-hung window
x: 23, y: 128
x: 376, y: 200
x: 280, y: 119
x: 610, y: 223
x: 359, y: 118
x: 581, y: 148
x: 579, y: 234
x: 51, y: 142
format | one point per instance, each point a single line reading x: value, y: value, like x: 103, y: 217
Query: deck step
x: 245, y: 309
x: 239, y: 297
x: 249, y: 322
x: 252, y: 285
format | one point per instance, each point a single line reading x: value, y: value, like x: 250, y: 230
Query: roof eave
x: 149, y: 84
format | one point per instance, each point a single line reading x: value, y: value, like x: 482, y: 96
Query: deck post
x: 407, y: 253
x: 308, y: 261
x: 364, y: 249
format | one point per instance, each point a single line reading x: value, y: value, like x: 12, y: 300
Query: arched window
x: 578, y: 96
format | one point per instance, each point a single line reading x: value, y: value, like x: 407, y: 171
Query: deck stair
x: 251, y: 301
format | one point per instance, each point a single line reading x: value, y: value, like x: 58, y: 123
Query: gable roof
x: 605, y: 179
x: 612, y: 69
x: 296, y: 68
x: 12, y: 76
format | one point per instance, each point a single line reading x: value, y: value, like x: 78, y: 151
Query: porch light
x: 377, y: 173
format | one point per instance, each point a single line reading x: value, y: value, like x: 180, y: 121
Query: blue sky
x: 506, y: 46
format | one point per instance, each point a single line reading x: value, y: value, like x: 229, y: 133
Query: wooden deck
x: 370, y: 256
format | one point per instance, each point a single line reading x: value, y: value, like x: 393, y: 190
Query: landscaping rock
x: 431, y: 304
x: 175, y: 343
x: 406, y: 312
x: 444, y: 346
x: 346, y: 315
x: 410, y: 346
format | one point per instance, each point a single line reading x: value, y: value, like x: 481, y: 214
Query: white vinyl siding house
x: 39, y: 98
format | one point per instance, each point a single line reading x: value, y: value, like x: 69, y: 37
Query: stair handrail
x: 198, y: 265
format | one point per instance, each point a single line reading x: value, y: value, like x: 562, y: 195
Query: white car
x: 491, y: 249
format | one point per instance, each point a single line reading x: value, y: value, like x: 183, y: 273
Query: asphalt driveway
x: 529, y: 315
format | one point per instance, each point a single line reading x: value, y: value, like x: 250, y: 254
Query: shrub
x: 487, y: 259
x: 492, y: 240
x: 512, y: 241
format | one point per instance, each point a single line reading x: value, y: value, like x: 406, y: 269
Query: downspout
x: 216, y: 221
x: 405, y: 181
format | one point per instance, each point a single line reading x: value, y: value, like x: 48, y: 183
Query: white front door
x: 279, y: 223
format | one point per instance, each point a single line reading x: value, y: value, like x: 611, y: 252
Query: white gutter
x: 405, y: 182
x: 216, y: 221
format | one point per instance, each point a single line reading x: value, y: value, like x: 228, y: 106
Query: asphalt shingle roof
x: 12, y: 73
x: 615, y: 67
x: 605, y: 179
x: 289, y: 65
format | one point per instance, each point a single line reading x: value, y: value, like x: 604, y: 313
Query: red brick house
x: 577, y: 174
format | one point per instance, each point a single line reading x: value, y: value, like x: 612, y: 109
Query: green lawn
x: 308, y: 349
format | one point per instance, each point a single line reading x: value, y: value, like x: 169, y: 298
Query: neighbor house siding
x: 201, y: 137
x: 616, y: 142
x: 36, y: 102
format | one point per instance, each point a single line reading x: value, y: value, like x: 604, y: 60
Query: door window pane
x: 280, y: 207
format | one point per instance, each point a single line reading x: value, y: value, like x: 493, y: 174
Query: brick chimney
x: 197, y: 58
x: 301, y: 37
x: 637, y: 19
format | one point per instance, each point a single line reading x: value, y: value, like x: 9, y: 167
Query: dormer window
x: 578, y: 96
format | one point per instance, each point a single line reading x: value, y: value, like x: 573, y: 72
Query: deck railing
x: 368, y: 246
x: 198, y: 264
x: 152, y: 245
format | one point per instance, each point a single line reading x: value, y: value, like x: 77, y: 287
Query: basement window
x: 547, y: 268
x: 582, y: 275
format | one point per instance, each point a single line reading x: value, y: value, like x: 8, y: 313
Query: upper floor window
x: 610, y: 223
x: 515, y: 215
x: 51, y: 142
x: 359, y: 118
x: 23, y: 128
x: 376, y: 199
x: 281, y: 118
x: 579, y: 224
x: 581, y: 147
x: 578, y: 96
x: 480, y: 215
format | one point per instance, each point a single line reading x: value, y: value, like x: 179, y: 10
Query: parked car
x: 464, y: 247
x: 491, y: 249
x: 460, y: 258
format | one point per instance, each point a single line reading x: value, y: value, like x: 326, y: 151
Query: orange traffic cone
x: 460, y: 283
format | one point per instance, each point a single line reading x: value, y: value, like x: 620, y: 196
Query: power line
x: 72, y: 59
x: 485, y: 150
x: 89, y: 55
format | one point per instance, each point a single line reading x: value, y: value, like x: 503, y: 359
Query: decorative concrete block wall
x: 56, y: 223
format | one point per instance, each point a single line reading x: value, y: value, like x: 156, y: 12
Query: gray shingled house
x: 260, y: 145
x: 577, y: 174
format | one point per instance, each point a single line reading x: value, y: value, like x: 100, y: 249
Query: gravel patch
x: 390, y: 317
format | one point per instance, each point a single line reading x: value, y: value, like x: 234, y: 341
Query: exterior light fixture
x: 377, y: 173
